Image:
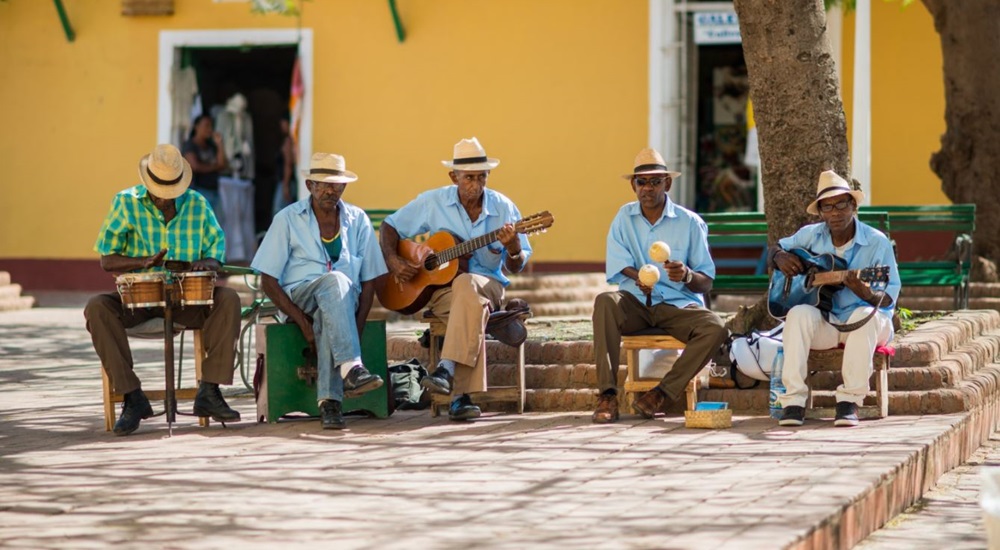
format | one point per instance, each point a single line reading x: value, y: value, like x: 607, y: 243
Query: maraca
x: 659, y: 252
x: 649, y: 274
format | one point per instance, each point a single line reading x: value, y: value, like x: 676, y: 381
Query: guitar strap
x: 851, y: 327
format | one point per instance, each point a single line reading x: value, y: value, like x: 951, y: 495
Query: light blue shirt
x: 871, y: 248
x: 628, y: 246
x: 293, y: 253
x: 439, y: 209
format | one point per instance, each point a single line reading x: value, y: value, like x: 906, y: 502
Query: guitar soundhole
x: 431, y: 263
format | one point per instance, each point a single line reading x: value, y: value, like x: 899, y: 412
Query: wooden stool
x: 493, y: 394
x: 653, y: 339
x: 832, y: 360
x: 148, y: 330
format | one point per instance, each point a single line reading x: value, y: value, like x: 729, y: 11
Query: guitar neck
x: 466, y: 247
x: 829, y: 278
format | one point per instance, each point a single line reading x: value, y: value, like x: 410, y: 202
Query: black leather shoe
x: 438, y: 382
x: 792, y: 415
x: 209, y: 402
x: 847, y: 414
x: 463, y: 409
x: 331, y: 417
x: 135, y: 408
x: 360, y: 381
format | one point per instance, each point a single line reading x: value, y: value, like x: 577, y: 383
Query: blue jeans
x: 332, y: 303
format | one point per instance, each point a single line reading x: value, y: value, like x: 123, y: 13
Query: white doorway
x: 173, y: 42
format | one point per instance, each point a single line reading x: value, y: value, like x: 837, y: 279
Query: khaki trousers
x: 617, y: 313
x: 220, y: 326
x: 465, y: 307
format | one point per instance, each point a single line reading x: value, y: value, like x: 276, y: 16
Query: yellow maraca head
x: 649, y: 274
x: 659, y: 252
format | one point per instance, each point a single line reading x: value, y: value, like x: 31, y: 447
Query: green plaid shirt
x: 135, y: 227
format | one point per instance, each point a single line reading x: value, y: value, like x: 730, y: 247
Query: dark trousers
x: 617, y: 313
x: 220, y: 326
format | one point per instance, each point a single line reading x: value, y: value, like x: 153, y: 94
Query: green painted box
x: 285, y: 387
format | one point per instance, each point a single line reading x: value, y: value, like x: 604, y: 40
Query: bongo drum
x: 195, y: 287
x: 141, y: 289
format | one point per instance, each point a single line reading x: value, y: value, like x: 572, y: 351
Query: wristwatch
x: 688, y: 277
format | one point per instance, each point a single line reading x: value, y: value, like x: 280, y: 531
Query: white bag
x: 754, y: 354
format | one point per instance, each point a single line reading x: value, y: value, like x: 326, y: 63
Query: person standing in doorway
x: 286, y: 190
x: 207, y: 157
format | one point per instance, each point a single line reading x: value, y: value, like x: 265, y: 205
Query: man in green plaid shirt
x: 160, y: 221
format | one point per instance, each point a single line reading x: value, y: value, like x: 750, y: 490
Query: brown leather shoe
x: 649, y: 403
x: 607, y: 409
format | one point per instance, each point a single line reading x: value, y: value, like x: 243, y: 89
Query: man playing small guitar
x: 807, y: 327
x: 467, y: 209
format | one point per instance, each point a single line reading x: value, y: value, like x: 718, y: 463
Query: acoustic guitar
x: 439, y: 258
x: 823, y: 277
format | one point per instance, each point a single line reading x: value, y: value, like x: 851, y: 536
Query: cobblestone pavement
x: 505, y: 481
x: 949, y: 516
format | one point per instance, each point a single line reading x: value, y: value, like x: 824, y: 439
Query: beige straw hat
x: 830, y: 185
x: 164, y: 172
x: 470, y: 156
x: 329, y: 168
x: 649, y: 161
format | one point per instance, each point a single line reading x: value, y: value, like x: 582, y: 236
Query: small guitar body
x: 441, y: 258
x: 412, y: 296
x: 823, y: 277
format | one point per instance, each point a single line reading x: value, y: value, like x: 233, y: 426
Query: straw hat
x: 164, y: 172
x: 470, y: 156
x: 649, y: 161
x: 329, y: 168
x: 830, y: 185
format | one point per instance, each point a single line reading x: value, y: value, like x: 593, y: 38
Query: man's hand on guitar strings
x: 402, y: 270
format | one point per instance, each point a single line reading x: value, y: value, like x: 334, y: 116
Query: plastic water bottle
x: 777, y: 388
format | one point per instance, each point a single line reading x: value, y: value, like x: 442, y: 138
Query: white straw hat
x: 470, y: 156
x: 830, y: 185
x: 649, y: 161
x: 165, y: 173
x: 329, y: 168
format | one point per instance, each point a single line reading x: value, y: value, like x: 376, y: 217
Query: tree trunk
x: 969, y: 160
x: 796, y: 102
x: 799, y: 115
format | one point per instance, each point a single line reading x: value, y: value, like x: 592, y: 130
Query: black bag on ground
x: 404, y: 379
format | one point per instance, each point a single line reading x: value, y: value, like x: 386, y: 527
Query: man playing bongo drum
x: 161, y: 220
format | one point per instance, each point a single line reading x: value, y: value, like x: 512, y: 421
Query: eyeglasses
x: 472, y: 177
x: 326, y: 185
x: 652, y: 182
x: 828, y: 207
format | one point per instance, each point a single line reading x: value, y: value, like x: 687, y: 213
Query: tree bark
x: 796, y: 101
x: 800, y: 119
x: 969, y: 160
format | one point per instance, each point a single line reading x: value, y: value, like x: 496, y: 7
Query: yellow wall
x: 556, y: 89
x: 907, y: 102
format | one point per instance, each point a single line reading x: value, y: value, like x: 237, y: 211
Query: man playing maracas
x: 673, y: 303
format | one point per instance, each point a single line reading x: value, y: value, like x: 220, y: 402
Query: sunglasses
x: 828, y: 207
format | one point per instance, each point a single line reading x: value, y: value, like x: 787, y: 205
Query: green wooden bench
x: 956, y: 219
x: 378, y: 215
x: 748, y: 230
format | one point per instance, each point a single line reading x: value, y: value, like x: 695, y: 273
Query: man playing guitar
x: 806, y: 327
x: 468, y: 209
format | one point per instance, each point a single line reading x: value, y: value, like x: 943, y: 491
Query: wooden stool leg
x: 882, y: 387
x: 199, y: 356
x: 109, y: 406
x: 692, y: 393
x: 520, y: 379
x: 625, y: 397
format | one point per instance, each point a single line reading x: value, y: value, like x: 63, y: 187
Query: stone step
x: 17, y: 304
x: 930, y: 303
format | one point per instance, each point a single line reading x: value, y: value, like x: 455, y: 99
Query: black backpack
x: 404, y: 380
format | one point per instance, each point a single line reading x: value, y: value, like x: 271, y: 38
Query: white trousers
x: 805, y: 329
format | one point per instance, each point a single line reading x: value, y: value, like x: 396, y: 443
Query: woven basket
x: 713, y: 420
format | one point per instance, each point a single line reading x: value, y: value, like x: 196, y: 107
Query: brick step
x: 564, y: 294
x: 9, y: 291
x: 976, y: 290
x: 555, y: 280
x: 932, y: 303
x: 17, y: 304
